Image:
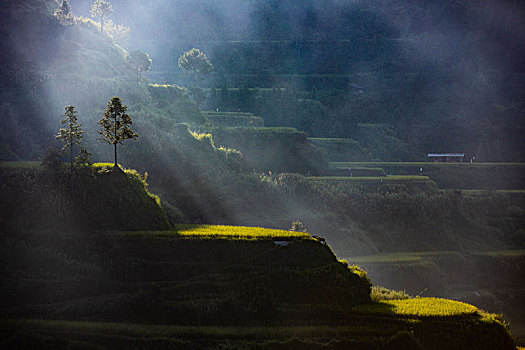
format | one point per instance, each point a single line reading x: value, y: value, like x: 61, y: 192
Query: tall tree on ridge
x: 72, y: 134
x: 115, y: 124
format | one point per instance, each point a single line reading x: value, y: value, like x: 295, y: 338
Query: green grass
x: 147, y: 331
x: 233, y: 119
x: 389, y: 178
x: 25, y: 164
x: 133, y: 174
x: 237, y: 89
x: 466, y: 176
x: 223, y: 232
x: 394, y: 183
x: 105, y: 165
x: 417, y: 164
x: 416, y: 257
x: 35, y: 164
x: 262, y: 129
x: 400, y: 257
x: 378, y: 172
x: 270, y: 41
x: 379, y: 293
x: 517, y: 252
x: 248, y: 114
x: 332, y: 139
x: 478, y: 192
x: 387, y: 258
x: 418, y: 307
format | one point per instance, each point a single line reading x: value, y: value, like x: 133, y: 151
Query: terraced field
x: 396, y: 183
x: 420, y: 164
x: 213, y: 287
x: 233, y: 119
x: 389, y: 178
x: 223, y: 232
x: 464, y: 176
x: 427, y: 323
x: 491, y: 280
x: 419, y: 307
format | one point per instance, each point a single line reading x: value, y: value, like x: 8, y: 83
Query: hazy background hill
x: 446, y: 76
x: 429, y: 77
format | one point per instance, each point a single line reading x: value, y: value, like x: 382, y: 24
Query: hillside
x: 196, y: 278
x: 348, y: 65
x: 94, y: 197
x: 92, y: 258
x: 444, y: 76
x: 212, y: 286
x: 279, y: 150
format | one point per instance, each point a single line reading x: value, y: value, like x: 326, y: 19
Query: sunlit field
x: 419, y: 307
x: 224, y: 232
x: 104, y: 165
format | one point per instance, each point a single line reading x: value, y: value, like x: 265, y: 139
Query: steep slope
x: 44, y: 198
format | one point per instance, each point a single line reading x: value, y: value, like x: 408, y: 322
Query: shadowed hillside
x: 91, y: 258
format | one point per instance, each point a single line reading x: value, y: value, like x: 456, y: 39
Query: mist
x: 452, y: 68
x: 445, y: 76
x: 304, y: 97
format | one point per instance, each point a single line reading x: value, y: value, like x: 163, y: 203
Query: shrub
x: 298, y: 226
x: 381, y: 293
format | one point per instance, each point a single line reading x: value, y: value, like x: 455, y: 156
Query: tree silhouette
x: 115, y: 124
x: 71, y: 135
x: 64, y: 13
x: 195, y: 61
x: 101, y: 8
x: 139, y: 62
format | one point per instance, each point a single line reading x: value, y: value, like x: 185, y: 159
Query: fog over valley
x: 309, y: 173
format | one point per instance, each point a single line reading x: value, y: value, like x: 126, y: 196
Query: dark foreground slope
x: 169, y: 280
x: 48, y: 197
x: 176, y: 290
x: 71, y: 277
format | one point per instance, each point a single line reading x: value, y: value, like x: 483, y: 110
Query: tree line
x: 115, y: 126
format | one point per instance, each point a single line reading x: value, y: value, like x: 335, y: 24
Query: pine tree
x: 71, y: 135
x: 115, y: 124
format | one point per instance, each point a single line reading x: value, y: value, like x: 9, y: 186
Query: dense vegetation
x: 367, y: 82
x: 291, y: 64
x: 278, y: 150
x: 439, y: 76
x: 47, y: 197
x: 164, y: 291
